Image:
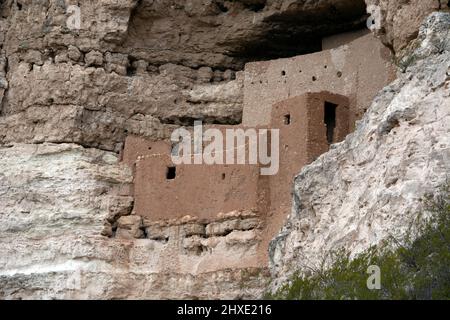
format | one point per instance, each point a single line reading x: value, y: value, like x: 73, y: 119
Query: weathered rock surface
x: 218, y: 34
x: 57, y: 200
x: 400, y: 20
x: 225, y: 34
x: 67, y: 102
x: 69, y: 98
x: 124, y: 283
x: 140, y: 67
x: 371, y: 185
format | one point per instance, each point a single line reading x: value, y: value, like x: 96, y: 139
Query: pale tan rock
x: 228, y: 226
x: 68, y: 99
x: 74, y: 53
x: 193, y: 229
x: 62, y: 58
x: 229, y: 75
x: 400, y: 20
x: 107, y: 231
x: 55, y: 201
x: 129, y: 227
x: 140, y: 66
x: 241, y: 238
x: 129, y: 222
x: 94, y: 58
x: 157, y: 232
x: 99, y: 108
x: 34, y: 57
x: 205, y: 74
x: 116, y: 62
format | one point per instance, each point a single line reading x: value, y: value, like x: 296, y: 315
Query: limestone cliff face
x: 69, y: 98
x: 55, y: 201
x: 138, y: 67
x: 371, y: 185
x: 400, y: 20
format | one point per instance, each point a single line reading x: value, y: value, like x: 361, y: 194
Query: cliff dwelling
x: 314, y: 100
x: 324, y: 126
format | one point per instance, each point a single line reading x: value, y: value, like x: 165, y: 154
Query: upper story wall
x: 357, y: 69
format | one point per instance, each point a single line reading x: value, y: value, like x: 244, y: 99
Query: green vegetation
x: 418, y: 267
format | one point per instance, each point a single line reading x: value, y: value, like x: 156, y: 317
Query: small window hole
x: 171, y: 173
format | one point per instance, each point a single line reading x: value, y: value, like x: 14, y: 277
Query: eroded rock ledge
x: 141, y: 67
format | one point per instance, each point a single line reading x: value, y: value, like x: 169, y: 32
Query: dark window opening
x: 19, y: 6
x: 222, y: 7
x: 131, y: 68
x: 171, y: 173
x: 131, y: 71
x: 223, y: 176
x: 330, y: 120
x: 287, y: 119
x: 283, y: 73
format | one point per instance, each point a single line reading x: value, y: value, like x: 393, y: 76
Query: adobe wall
x: 358, y: 70
x: 206, y: 191
x: 202, y: 191
x: 316, y: 138
x: 302, y: 140
x: 136, y: 146
x: 286, y: 94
